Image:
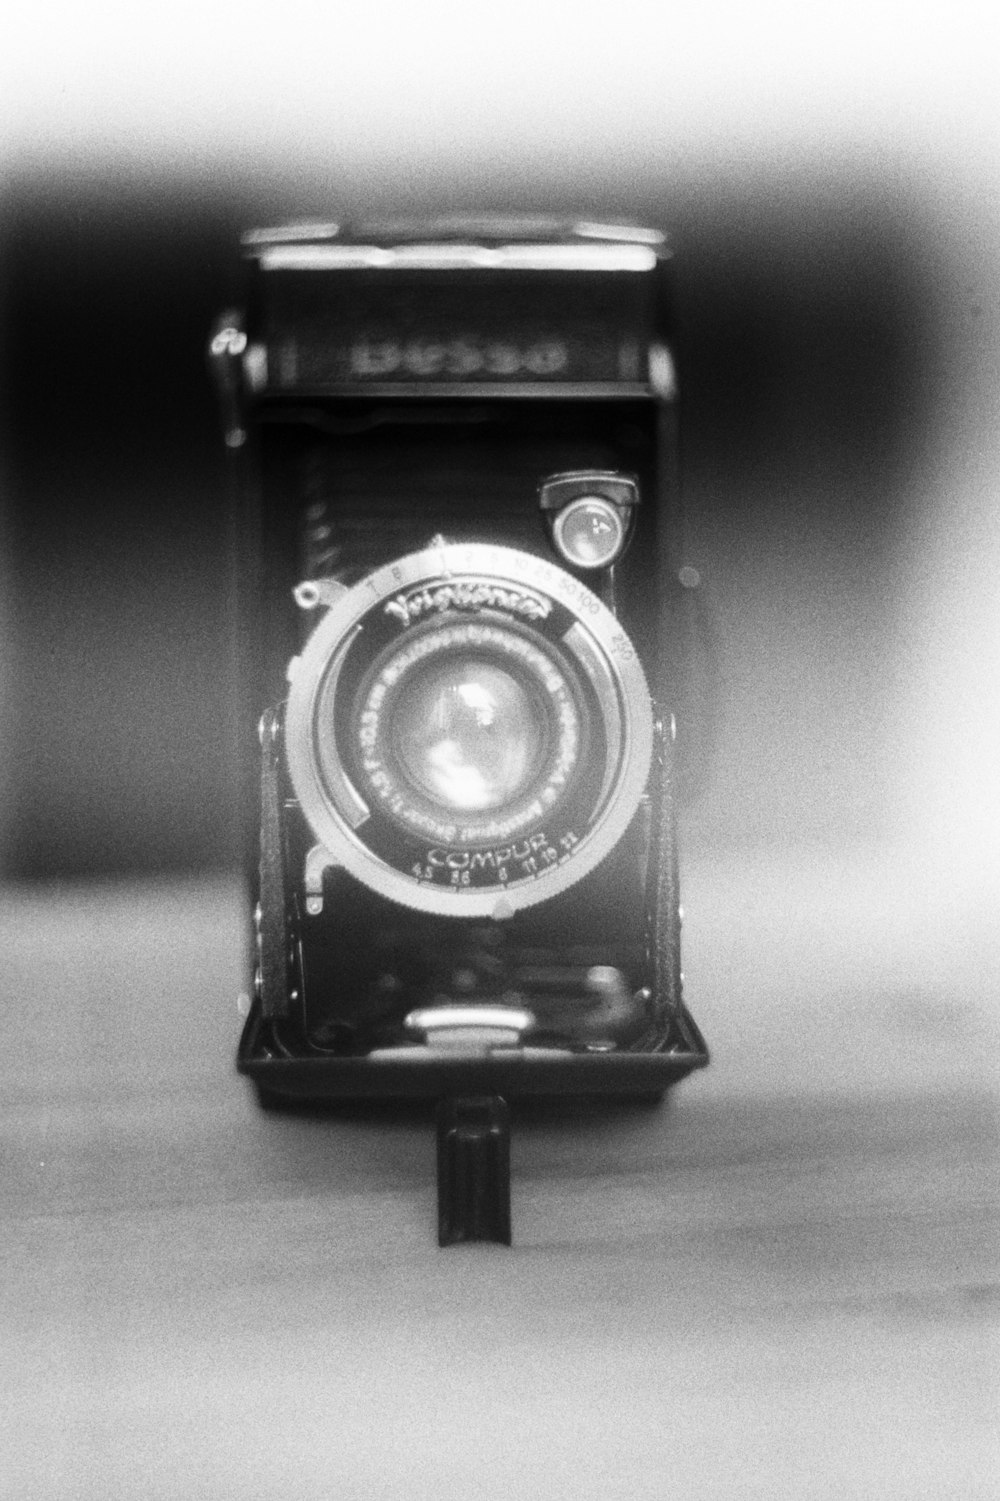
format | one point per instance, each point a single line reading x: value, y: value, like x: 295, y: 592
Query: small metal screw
x: 306, y: 595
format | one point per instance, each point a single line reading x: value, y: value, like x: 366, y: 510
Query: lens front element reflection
x: 468, y: 732
x: 468, y: 735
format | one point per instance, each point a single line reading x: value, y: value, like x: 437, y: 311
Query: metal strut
x: 473, y: 1169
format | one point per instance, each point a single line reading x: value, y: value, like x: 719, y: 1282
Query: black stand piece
x: 473, y: 1170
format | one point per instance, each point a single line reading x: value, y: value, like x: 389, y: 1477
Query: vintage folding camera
x: 462, y: 633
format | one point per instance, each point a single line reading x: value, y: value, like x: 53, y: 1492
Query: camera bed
x: 421, y: 1072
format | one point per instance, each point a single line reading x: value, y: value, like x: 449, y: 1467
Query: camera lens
x: 469, y: 735
x: 468, y: 730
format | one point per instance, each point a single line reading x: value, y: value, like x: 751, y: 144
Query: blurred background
x: 787, y: 1279
x: 831, y: 182
x: 832, y: 187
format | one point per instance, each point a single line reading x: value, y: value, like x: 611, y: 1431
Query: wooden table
x: 782, y: 1284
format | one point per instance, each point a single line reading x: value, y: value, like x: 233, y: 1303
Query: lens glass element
x: 468, y: 734
x: 467, y: 730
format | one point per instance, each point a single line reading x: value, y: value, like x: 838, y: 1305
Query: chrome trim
x: 589, y: 257
x: 581, y: 645
x: 255, y: 368
x: 471, y: 1029
x: 662, y: 373
x: 423, y: 1055
x: 633, y: 234
x: 306, y: 230
x: 348, y: 801
x: 429, y: 1018
x: 458, y: 228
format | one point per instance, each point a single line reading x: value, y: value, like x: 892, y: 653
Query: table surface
x: 783, y: 1283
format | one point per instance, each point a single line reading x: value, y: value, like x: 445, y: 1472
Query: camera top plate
x: 455, y: 307
x: 482, y: 229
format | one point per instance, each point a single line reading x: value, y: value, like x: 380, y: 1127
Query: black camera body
x: 462, y: 622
